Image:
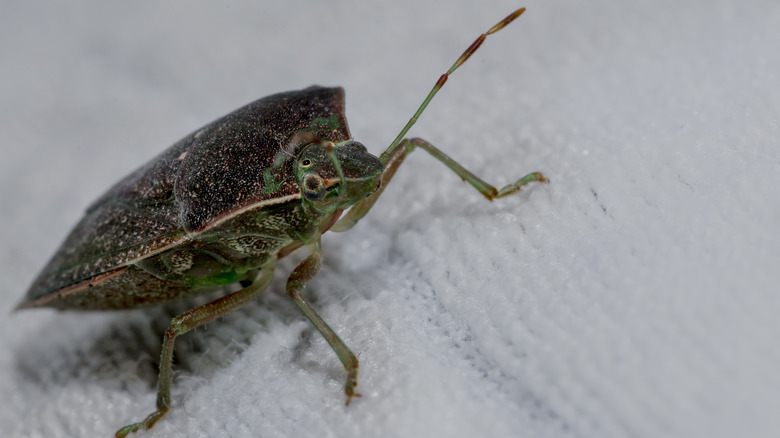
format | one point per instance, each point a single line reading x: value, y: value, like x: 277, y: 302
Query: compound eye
x: 313, y: 186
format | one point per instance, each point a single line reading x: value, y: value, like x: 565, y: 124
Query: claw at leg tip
x: 349, y: 397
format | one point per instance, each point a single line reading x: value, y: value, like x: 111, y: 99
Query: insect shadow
x: 121, y: 350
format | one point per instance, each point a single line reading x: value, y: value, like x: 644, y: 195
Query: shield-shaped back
x: 239, y: 160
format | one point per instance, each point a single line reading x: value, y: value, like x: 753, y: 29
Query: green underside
x: 221, y: 279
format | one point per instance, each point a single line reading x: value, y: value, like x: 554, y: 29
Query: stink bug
x: 222, y: 205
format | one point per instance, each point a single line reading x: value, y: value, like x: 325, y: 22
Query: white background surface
x: 635, y: 295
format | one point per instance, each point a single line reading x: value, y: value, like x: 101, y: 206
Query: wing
x: 114, y: 232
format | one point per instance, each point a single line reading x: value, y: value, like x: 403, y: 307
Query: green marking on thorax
x: 330, y: 122
x: 271, y: 183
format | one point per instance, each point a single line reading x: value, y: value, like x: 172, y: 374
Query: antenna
x: 443, y: 79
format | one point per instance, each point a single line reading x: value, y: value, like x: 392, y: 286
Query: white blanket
x: 634, y: 296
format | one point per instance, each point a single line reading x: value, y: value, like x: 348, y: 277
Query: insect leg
x: 304, y: 272
x: 487, y: 190
x: 407, y: 146
x: 184, y: 323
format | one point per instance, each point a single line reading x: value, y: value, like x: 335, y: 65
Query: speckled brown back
x: 238, y: 160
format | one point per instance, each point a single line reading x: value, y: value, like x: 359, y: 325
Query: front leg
x: 305, y: 271
x: 397, y: 157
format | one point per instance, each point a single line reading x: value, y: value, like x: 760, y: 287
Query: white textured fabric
x: 634, y: 296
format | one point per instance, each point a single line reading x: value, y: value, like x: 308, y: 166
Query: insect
x: 223, y: 204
